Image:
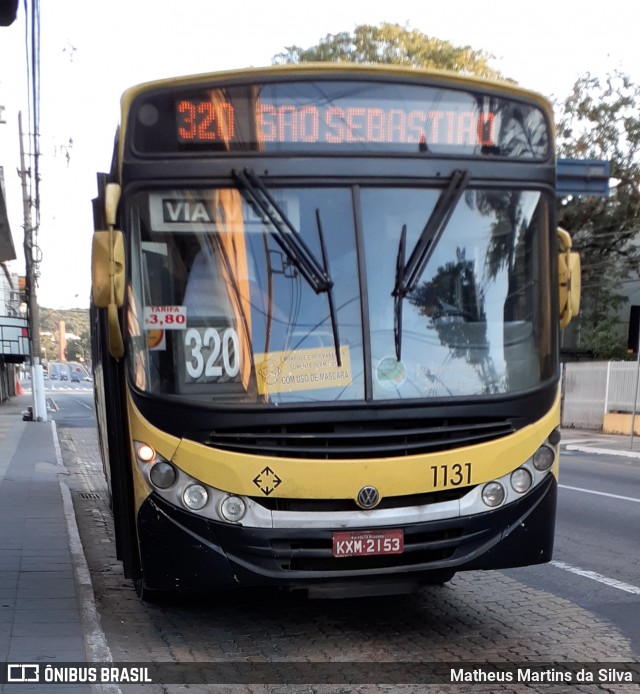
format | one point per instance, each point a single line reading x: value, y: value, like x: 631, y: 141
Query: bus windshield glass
x: 217, y: 312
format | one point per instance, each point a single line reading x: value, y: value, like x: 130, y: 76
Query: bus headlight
x: 233, y: 508
x: 145, y: 452
x: 521, y: 480
x: 163, y: 475
x: 543, y: 458
x: 493, y: 494
x: 195, y: 497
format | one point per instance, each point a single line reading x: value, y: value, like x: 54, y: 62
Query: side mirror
x: 569, y: 279
x: 108, y: 270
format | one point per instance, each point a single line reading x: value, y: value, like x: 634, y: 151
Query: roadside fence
x: 593, y: 393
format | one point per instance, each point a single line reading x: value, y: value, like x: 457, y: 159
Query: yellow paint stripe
x: 340, y: 479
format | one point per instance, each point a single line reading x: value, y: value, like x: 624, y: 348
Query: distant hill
x: 76, y: 320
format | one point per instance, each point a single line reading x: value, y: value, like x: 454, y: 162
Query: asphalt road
x: 73, y: 405
x: 596, y: 560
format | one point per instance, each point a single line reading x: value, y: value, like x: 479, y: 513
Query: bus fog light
x: 162, y: 475
x: 521, y: 480
x: 543, y: 458
x: 493, y: 494
x: 233, y: 508
x: 195, y: 497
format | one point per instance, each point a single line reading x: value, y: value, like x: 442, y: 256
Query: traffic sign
x: 582, y: 177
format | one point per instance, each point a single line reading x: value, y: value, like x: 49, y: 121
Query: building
x: 14, y: 333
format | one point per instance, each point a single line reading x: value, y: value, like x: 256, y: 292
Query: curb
x: 595, y: 450
x: 95, y: 640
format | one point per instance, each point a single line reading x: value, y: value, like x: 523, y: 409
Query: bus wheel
x: 440, y: 577
x: 150, y: 594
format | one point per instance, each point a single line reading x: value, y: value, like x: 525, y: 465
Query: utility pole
x: 37, y: 376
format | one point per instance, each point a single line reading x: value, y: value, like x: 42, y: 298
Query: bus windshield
x: 218, y: 312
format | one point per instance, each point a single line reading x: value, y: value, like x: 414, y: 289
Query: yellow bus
x: 325, y: 313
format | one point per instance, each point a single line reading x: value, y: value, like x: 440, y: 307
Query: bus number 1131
x: 455, y: 475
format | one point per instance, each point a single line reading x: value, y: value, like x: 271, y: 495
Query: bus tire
x: 151, y: 595
x: 439, y: 577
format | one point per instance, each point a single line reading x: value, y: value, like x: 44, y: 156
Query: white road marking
x: 591, y: 491
x: 612, y: 582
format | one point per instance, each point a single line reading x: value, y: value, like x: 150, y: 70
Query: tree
x: 75, y: 321
x: 600, y: 119
x: 80, y: 349
x: 392, y: 44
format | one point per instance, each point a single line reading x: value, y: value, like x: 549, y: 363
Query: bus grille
x: 391, y: 438
x: 342, y: 505
x: 315, y: 555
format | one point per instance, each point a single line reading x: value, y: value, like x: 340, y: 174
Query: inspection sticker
x: 302, y: 369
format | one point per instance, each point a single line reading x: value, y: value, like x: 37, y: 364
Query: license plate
x: 364, y: 543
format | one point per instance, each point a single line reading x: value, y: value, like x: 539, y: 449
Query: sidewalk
x: 598, y: 443
x: 41, y: 596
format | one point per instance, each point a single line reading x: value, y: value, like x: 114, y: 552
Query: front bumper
x: 180, y: 550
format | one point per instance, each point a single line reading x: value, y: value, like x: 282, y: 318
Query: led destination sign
x: 204, y: 121
x: 328, y: 117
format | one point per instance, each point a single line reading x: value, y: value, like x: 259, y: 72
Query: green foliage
x: 392, y: 44
x: 76, y: 321
x: 600, y: 119
x: 76, y: 351
x: 606, y: 341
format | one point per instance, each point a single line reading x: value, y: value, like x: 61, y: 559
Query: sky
x: 92, y: 51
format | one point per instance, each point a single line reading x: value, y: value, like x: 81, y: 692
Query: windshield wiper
x: 397, y: 296
x: 283, y: 231
x: 407, y: 276
x: 291, y: 242
x: 329, y: 290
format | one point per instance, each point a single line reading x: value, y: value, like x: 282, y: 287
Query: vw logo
x: 368, y: 497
